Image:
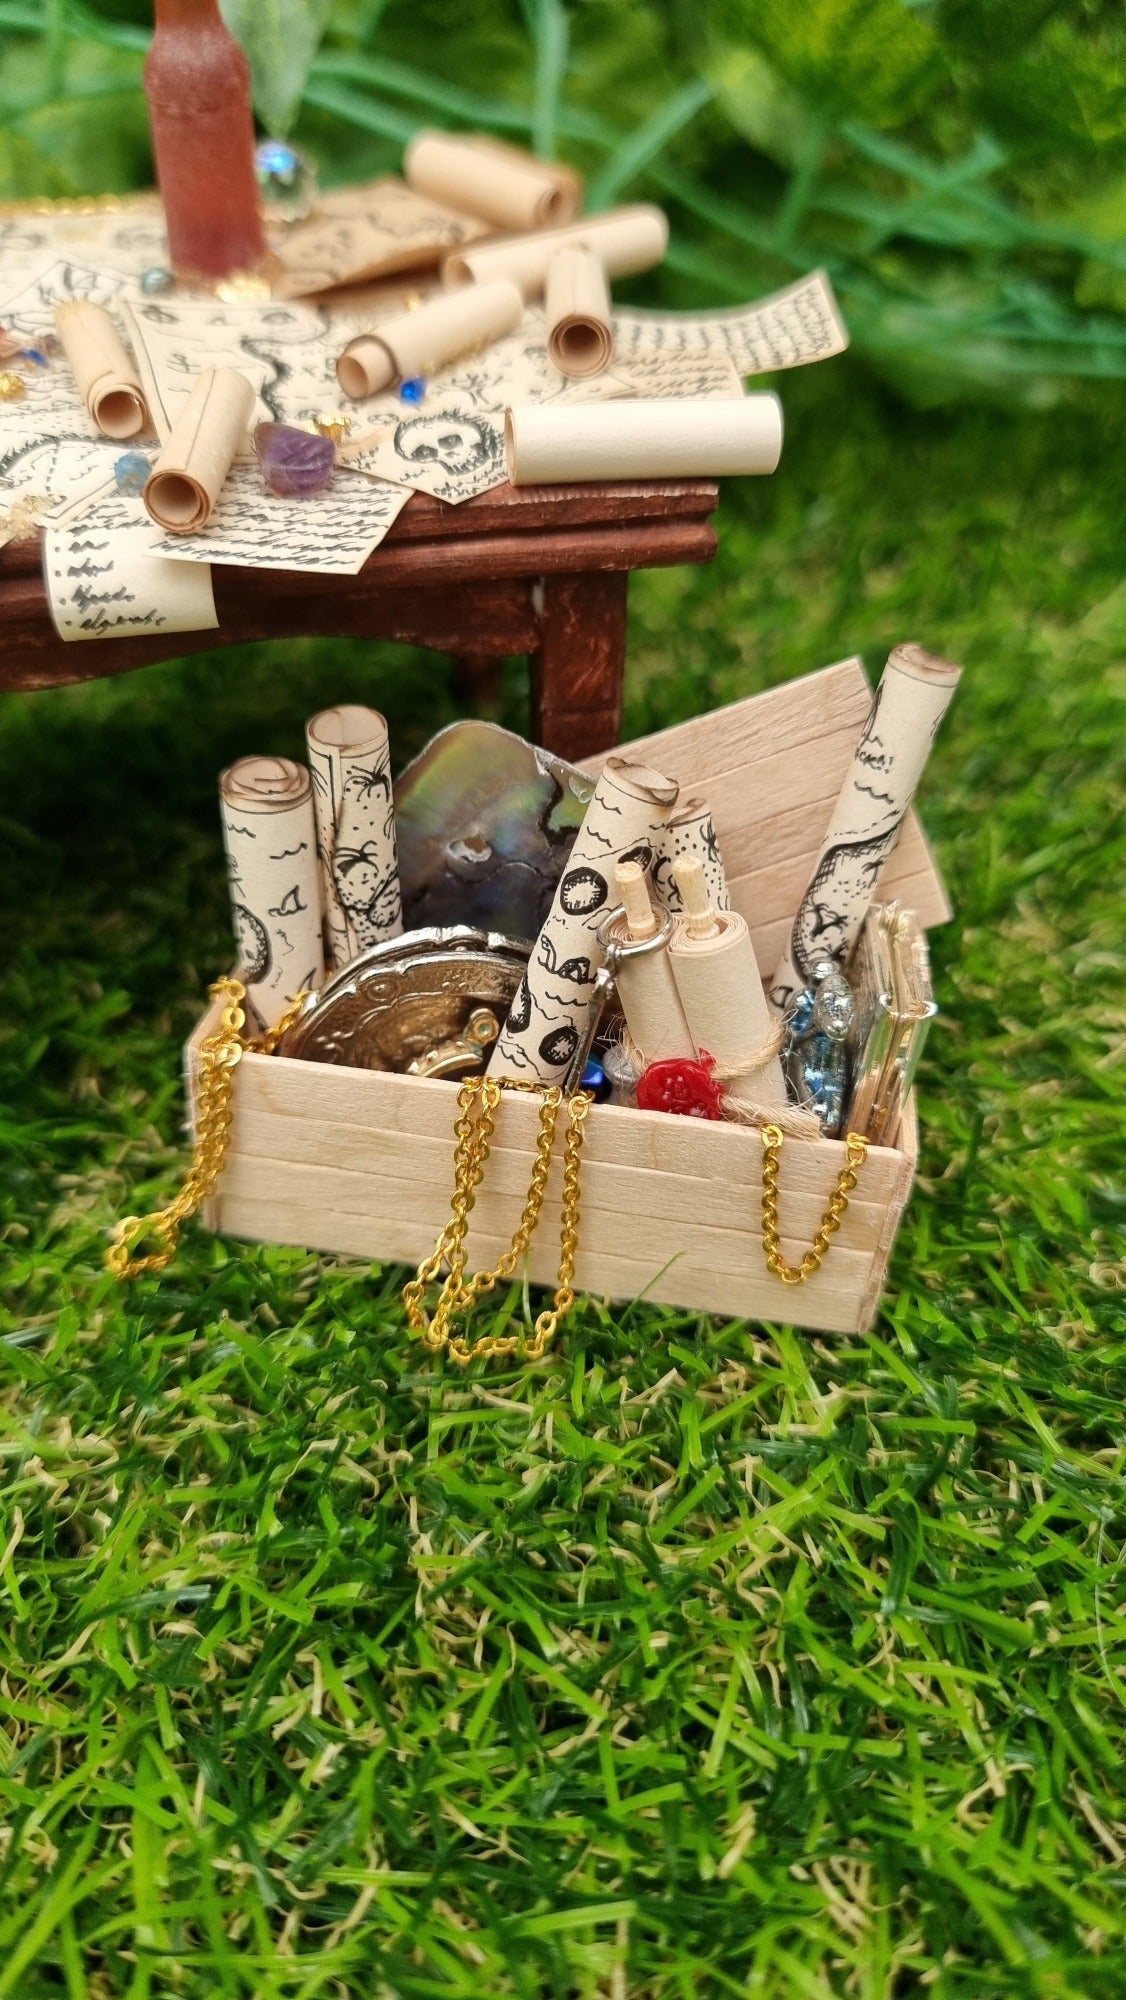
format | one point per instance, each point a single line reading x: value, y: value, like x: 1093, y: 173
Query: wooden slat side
x: 877, y: 1276
x: 387, y: 1175
x: 422, y: 1107
x: 778, y: 720
x: 830, y: 1302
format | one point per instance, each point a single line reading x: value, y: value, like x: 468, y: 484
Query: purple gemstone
x: 295, y: 464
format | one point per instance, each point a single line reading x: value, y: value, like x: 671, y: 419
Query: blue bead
x: 155, y: 281
x: 275, y: 157
x: 34, y: 354
x: 412, y: 390
x: 130, y: 472
x: 594, y: 1076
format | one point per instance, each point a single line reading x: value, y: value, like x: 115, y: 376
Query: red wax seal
x: 681, y: 1086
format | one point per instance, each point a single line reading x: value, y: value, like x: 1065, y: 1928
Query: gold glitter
x: 334, y: 424
x: 21, y: 519
x: 242, y: 287
x: 412, y: 301
x: 12, y: 386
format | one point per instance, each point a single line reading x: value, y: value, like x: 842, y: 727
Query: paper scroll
x: 717, y: 977
x: 350, y: 765
x: 643, y: 976
x: 501, y: 184
x: 788, y: 329
x: 580, y: 337
x: 914, y: 693
x: 271, y: 843
x: 104, y: 372
x: 187, y: 478
x: 550, y: 444
x: 624, y: 239
x: 552, y: 1006
x: 690, y: 833
x: 417, y: 343
x: 104, y: 582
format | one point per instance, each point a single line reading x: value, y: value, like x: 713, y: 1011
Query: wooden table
x: 537, y: 570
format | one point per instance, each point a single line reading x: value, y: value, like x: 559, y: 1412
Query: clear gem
x: 156, y: 281
x: 286, y: 179
x: 295, y: 464
x: 131, y: 471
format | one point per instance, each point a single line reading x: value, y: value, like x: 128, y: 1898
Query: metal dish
x: 407, y: 1004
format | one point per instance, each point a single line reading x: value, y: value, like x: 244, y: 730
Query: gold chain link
x: 477, y: 1102
x: 219, y: 1056
x: 796, y: 1274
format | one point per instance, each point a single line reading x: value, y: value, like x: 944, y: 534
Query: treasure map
x: 331, y: 533
x: 103, y: 581
x: 52, y: 476
x: 786, y: 330
x: 366, y: 232
x: 126, y: 237
x: 284, y: 351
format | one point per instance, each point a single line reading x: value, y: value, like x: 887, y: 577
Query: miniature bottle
x: 198, y: 86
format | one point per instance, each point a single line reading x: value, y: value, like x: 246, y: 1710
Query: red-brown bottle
x: 198, y: 86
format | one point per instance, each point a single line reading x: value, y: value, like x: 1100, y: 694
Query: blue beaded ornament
x: 412, y: 390
x: 815, y: 1049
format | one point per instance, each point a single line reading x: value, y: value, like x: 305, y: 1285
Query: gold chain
x: 796, y: 1274
x: 219, y: 1056
x: 477, y: 1104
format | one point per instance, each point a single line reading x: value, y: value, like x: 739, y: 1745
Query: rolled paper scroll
x: 350, y: 765
x: 690, y: 833
x: 554, y: 999
x: 717, y: 977
x: 624, y: 239
x: 418, y: 342
x: 187, y: 478
x: 271, y: 843
x: 549, y: 444
x: 914, y: 693
x: 483, y: 177
x: 643, y: 975
x: 104, y: 372
x: 580, y: 330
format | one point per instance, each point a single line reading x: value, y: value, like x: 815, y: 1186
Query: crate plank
x: 409, y: 1170
x: 834, y: 1301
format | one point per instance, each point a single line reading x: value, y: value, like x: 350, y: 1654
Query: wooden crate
x: 360, y: 1162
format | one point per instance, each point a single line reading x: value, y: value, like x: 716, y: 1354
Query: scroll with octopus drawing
x: 553, y: 1003
x: 914, y: 694
x: 350, y: 764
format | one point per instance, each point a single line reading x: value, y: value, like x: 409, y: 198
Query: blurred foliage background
x: 958, y: 165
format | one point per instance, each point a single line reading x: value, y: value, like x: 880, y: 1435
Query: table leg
x: 479, y: 680
x: 577, y: 674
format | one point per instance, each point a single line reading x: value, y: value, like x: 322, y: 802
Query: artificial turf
x: 706, y: 1658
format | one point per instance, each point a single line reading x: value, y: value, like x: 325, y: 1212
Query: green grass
x: 707, y: 1658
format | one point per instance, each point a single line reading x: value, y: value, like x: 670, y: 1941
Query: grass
x: 707, y: 1658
